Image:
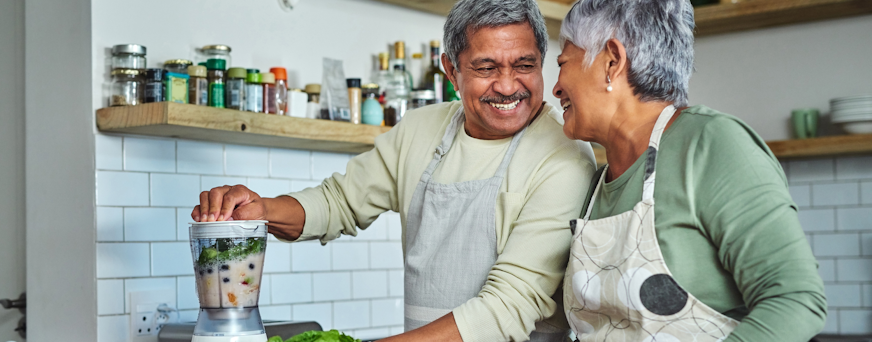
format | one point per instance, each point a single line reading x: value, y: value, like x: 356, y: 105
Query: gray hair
x: 658, y: 35
x: 469, y: 15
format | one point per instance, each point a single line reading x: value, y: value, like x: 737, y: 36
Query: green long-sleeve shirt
x: 727, y: 227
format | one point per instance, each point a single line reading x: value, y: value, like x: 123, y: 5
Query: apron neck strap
x: 653, y: 148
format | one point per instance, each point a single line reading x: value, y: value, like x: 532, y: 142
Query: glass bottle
x: 268, y: 81
x: 281, y: 93
x: 355, y: 96
x: 400, y: 60
x: 126, y: 88
x: 371, y: 111
x: 198, y: 86
x: 235, y: 89
x: 154, y: 85
x: 398, y: 89
x: 253, y: 91
x: 215, y: 76
x: 434, y: 78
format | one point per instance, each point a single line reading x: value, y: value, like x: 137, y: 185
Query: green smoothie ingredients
x: 227, y: 249
x: 317, y: 336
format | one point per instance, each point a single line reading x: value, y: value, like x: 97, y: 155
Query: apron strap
x: 598, y: 185
x: 653, y: 148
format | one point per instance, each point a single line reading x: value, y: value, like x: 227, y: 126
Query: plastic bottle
x: 371, y: 111
x: 281, y: 95
x: 268, y: 81
x: 355, y: 96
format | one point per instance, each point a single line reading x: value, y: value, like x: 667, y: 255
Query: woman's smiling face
x: 581, y: 89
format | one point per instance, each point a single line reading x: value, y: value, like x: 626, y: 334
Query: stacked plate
x: 854, y: 113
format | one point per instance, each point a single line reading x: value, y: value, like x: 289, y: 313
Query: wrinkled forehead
x: 508, y: 44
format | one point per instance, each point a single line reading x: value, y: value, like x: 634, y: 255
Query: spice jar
x: 253, y: 91
x: 155, y: 90
x: 216, y: 51
x: 215, y: 77
x: 421, y: 98
x: 176, y: 80
x: 313, y: 107
x: 235, y: 89
x: 355, y: 96
x: 281, y: 95
x: 371, y: 111
x: 268, y: 80
x: 177, y: 66
x: 126, y: 88
x: 128, y: 56
x: 198, y: 86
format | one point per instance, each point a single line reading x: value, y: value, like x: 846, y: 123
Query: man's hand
x: 229, y: 203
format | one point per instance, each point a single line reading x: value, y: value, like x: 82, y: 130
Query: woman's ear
x: 616, y: 56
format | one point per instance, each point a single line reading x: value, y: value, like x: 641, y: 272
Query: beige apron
x: 451, y: 242
x: 617, y: 286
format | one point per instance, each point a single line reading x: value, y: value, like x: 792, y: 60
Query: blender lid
x: 229, y: 229
x: 244, y: 223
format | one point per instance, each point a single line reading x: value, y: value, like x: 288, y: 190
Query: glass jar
x: 198, y: 86
x: 313, y: 107
x: 216, y: 51
x: 253, y: 91
x: 178, y: 66
x: 234, y: 88
x: 421, y: 98
x: 268, y: 81
x: 371, y: 111
x: 126, y: 88
x: 128, y: 56
x: 155, y: 89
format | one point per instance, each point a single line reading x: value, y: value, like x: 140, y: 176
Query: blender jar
x: 228, y: 263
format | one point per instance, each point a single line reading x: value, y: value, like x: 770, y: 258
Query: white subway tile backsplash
x: 817, y: 220
x: 866, y: 192
x: 246, y: 161
x: 108, y: 152
x: 209, y: 182
x: 149, y: 224
x: 265, y: 296
x: 110, y: 224
x: 167, y: 285
x: 854, y: 167
x: 811, y: 170
x: 300, y: 185
x: 113, y: 328
x: 396, y: 284
x: 866, y: 244
x: 171, y: 258
x: 291, y: 288
x: 310, y: 256
x: 290, y: 163
x: 843, y: 295
x: 170, y: 190
x: 854, y: 269
x: 835, y: 194
x: 827, y: 269
x: 845, y: 244
x: 325, y: 164
x: 266, y: 187
x: 867, y: 295
x: 372, y: 334
x: 387, y: 312
x: 801, y: 194
x: 386, y: 255
x: 831, y: 326
x: 278, y: 257
x: 321, y: 313
x: 331, y: 286
x: 187, y: 293
x: 143, y: 154
x: 377, y: 231
x: 854, y: 218
x: 369, y: 284
x: 350, y: 255
x: 110, y: 297
x: 351, y: 315
x: 183, y: 223
x: 188, y: 315
x: 118, y: 260
x: 200, y: 157
x: 276, y: 312
x: 785, y: 167
x: 855, y: 321
x: 396, y: 330
x: 122, y: 188
x: 395, y: 227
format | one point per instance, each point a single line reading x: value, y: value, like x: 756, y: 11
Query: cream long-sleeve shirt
x: 544, y: 188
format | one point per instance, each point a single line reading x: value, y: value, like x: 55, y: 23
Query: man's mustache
x: 504, y: 99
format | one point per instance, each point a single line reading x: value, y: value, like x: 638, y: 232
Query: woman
x: 721, y: 256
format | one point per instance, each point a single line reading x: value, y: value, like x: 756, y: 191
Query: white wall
x: 760, y: 75
x: 11, y: 161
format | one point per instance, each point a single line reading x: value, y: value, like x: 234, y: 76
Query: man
x: 485, y: 188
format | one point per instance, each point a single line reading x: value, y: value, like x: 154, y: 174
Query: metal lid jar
x: 126, y: 88
x: 128, y: 56
x: 178, y: 66
x: 216, y: 51
x: 421, y: 98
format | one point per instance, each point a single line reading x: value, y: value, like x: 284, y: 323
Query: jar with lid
x: 421, y: 98
x: 371, y: 110
x: 235, y: 89
x: 253, y: 91
x: 216, y: 51
x: 215, y: 77
x: 126, y: 88
x: 313, y: 107
x: 177, y: 66
x: 176, y: 80
x: 281, y: 95
x: 198, y: 86
x: 268, y: 80
x: 154, y: 85
x: 128, y: 56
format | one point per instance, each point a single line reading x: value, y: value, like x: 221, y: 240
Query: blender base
x: 246, y: 338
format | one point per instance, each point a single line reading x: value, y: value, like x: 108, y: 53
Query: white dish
x: 861, y: 127
x: 851, y: 98
x: 852, y: 112
x: 851, y: 105
x: 855, y: 118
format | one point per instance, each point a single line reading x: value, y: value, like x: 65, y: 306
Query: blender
x: 228, y: 264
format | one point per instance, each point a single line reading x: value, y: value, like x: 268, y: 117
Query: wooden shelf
x: 710, y: 19
x: 821, y: 147
x: 187, y: 121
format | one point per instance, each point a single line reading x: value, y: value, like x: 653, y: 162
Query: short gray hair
x: 658, y: 35
x: 469, y: 15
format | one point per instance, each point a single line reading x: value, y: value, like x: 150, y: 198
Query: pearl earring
x: 609, y: 88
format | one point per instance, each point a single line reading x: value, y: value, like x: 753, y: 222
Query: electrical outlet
x: 143, y: 312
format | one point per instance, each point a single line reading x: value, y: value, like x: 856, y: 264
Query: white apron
x: 451, y: 242
x: 617, y: 286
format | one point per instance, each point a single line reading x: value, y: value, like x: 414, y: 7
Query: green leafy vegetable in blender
x: 227, y: 249
x: 317, y: 336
